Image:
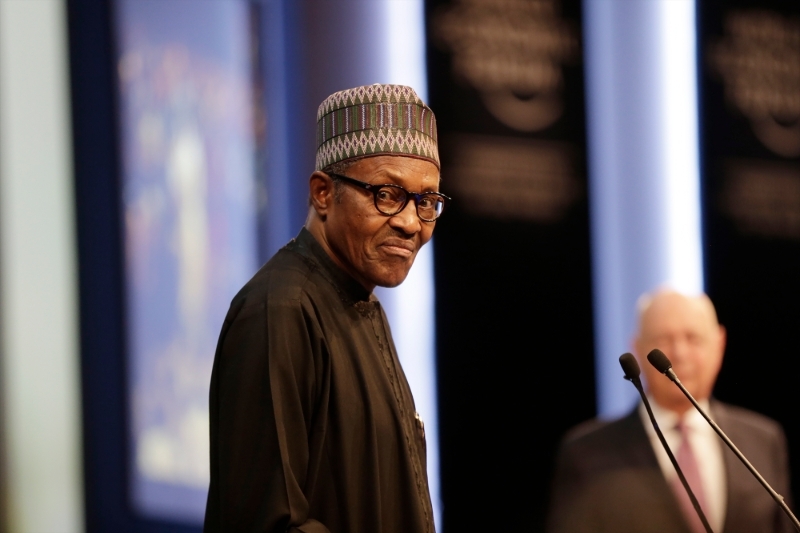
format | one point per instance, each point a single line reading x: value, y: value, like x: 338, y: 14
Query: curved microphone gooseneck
x: 632, y: 371
x: 662, y: 363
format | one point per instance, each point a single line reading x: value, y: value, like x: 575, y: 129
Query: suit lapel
x: 637, y: 439
x: 734, y: 481
x: 644, y: 455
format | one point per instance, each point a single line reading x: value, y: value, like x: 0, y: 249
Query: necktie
x: 691, y: 472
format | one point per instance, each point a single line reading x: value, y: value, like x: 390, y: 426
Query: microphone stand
x: 775, y: 496
x: 634, y: 378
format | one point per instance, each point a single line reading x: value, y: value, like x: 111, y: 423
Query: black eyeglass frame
x: 374, y: 189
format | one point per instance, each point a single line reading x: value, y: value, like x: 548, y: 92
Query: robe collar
x: 344, y: 283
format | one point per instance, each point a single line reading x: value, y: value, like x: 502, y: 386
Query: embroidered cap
x: 375, y: 120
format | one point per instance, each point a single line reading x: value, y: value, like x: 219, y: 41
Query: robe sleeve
x: 269, y: 363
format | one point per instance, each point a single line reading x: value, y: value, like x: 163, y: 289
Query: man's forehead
x: 396, y: 169
x: 674, y: 310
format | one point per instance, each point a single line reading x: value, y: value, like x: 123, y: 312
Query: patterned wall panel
x: 514, y: 307
x: 750, y: 81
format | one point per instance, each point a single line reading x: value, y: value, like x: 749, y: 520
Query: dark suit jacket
x: 608, y: 479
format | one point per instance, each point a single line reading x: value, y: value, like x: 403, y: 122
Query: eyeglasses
x: 391, y: 199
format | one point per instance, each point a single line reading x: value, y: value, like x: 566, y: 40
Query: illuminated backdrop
x: 188, y: 176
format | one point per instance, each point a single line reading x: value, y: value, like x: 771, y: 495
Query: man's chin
x: 391, y: 284
x: 671, y: 401
x: 391, y: 280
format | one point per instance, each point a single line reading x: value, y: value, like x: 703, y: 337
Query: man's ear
x: 636, y: 347
x: 723, y: 338
x: 320, y: 187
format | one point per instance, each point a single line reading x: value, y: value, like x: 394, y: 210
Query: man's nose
x: 407, y: 219
x: 679, y: 349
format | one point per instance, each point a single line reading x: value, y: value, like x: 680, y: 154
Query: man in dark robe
x: 313, y: 426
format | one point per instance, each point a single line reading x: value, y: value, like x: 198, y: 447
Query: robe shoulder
x: 287, y: 277
x: 268, y: 378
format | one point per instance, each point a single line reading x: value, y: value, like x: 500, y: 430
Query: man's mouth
x: 399, y: 247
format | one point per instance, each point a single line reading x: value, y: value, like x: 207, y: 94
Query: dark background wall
x: 749, y: 61
x: 514, y: 307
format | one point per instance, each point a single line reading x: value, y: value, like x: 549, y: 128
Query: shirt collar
x: 668, y: 420
x: 344, y: 283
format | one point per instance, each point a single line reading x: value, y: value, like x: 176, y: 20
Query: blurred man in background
x: 616, y: 476
x: 313, y: 427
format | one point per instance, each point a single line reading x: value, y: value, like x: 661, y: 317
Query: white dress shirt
x: 707, y: 449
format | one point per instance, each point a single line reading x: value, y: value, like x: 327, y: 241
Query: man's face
x: 374, y: 248
x: 686, y: 330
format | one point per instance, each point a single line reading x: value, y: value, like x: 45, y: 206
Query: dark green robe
x: 313, y: 427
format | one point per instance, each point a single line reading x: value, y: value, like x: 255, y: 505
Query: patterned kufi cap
x: 375, y: 120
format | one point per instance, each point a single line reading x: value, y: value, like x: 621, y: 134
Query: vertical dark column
x: 259, y: 52
x: 750, y: 81
x: 99, y: 259
x: 514, y: 302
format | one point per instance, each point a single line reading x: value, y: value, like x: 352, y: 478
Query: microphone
x: 632, y: 371
x: 631, y: 368
x: 662, y: 363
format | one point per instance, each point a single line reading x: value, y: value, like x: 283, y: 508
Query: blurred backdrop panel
x: 188, y: 152
x: 750, y: 65
x: 512, y: 256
